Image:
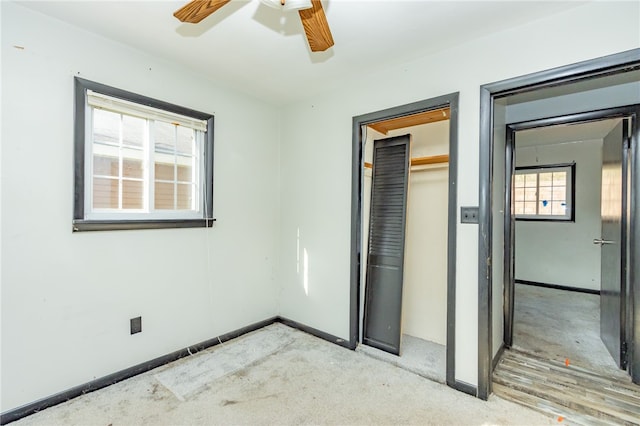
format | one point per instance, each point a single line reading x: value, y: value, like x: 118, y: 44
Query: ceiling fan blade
x: 316, y: 27
x: 196, y: 10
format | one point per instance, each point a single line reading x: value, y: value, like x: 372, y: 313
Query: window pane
x: 184, y: 174
x: 106, y: 126
x: 558, y: 208
x: 530, y: 208
x: 105, y: 166
x: 560, y: 193
x: 559, y: 178
x: 519, y: 208
x: 185, y: 196
x: 530, y: 194
x: 185, y: 140
x: 530, y: 180
x: 132, y: 168
x: 133, y: 130
x: 164, y: 171
x: 544, y: 207
x: 105, y: 193
x: 165, y: 137
x: 518, y: 181
x: 132, y: 164
x: 164, y: 196
x: 519, y: 194
x: 546, y: 179
x: 544, y: 194
x: 132, y: 194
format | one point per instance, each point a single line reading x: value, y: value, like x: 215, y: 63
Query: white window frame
x: 90, y: 95
x: 569, y: 215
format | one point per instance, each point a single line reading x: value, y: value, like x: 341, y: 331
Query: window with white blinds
x: 144, y: 162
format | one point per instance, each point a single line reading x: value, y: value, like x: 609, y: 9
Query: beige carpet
x: 299, y: 380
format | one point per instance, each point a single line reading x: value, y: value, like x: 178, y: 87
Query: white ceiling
x: 565, y: 133
x: 261, y: 51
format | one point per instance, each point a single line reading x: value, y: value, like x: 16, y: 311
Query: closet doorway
x: 405, y: 239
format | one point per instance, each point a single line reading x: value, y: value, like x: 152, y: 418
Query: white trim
x: 88, y: 160
x: 108, y: 214
x: 175, y: 167
x: 120, y: 162
x: 148, y: 212
x: 149, y: 167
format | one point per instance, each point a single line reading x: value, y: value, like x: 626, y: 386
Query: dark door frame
x: 608, y: 65
x: 357, y: 169
x: 632, y: 112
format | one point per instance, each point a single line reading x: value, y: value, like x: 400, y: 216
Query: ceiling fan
x: 311, y: 13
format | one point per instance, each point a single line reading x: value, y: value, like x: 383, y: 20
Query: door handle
x: 602, y: 242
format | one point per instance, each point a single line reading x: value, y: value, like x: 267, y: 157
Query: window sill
x: 120, y: 225
x: 545, y: 219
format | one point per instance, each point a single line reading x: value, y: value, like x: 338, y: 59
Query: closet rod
x: 421, y: 161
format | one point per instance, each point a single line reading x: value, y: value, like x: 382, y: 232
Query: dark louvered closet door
x: 383, y: 296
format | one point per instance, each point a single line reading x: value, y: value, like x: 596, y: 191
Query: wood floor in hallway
x: 560, y: 366
x: 567, y: 392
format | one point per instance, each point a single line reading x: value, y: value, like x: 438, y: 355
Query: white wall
x: 67, y: 297
x: 563, y: 253
x: 316, y: 195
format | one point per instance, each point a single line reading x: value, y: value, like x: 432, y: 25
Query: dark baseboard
x: 497, y: 357
x: 34, y: 407
x: 464, y: 387
x: 558, y: 287
x: 315, y: 332
x: 58, y: 398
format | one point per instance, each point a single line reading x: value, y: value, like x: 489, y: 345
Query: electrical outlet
x: 136, y: 325
x: 468, y: 214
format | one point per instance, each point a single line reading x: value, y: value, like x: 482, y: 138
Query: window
x: 139, y: 162
x: 544, y: 193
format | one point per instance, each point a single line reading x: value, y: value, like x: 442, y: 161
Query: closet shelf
x: 421, y: 161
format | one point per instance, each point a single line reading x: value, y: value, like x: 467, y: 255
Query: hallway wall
x: 563, y: 253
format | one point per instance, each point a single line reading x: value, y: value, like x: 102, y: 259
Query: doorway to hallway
x: 567, y: 228
x: 567, y: 224
x: 608, y: 82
